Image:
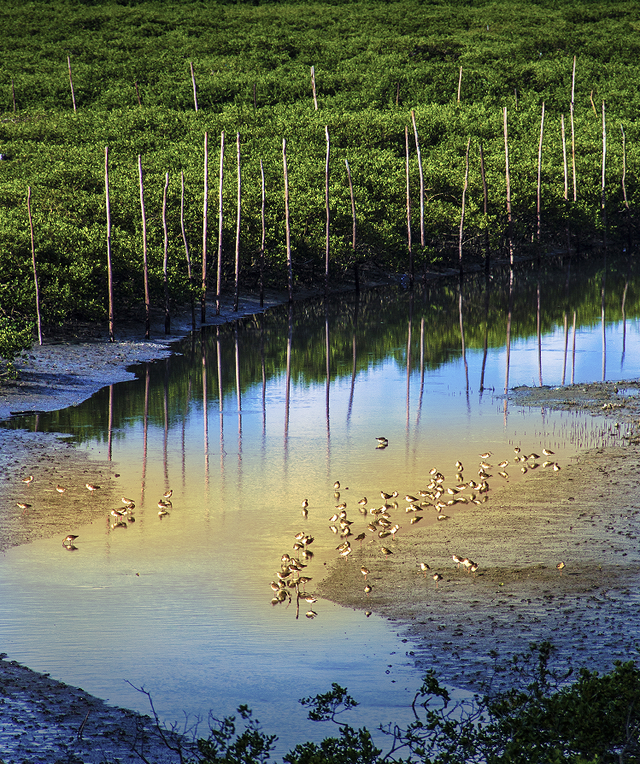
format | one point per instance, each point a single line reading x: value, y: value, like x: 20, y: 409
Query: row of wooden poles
x: 204, y: 281
x: 195, y: 88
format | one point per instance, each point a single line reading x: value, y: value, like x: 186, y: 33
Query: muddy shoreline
x: 586, y: 515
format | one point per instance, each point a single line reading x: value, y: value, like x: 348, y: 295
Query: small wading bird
x: 167, y: 494
x: 60, y: 489
x: 23, y: 505
x: 364, y: 572
x: 424, y: 568
x: 91, y: 487
x: 437, y: 578
x: 28, y: 479
x: 69, y: 539
x: 560, y: 566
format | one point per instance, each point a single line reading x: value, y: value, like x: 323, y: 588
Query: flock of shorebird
x: 120, y: 517
x: 382, y: 522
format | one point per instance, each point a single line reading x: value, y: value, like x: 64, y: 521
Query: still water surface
x: 249, y: 419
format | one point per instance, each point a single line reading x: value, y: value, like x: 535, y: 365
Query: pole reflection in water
x: 508, y: 340
x: 463, y: 348
x: 624, y: 323
x: 199, y: 612
x: 602, y: 322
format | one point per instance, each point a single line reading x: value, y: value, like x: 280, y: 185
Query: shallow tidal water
x: 249, y: 419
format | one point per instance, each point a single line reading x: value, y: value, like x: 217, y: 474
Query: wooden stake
x: 145, y: 267
x: 220, y: 220
x: 264, y: 232
x: 421, y: 174
x: 73, y: 97
x: 353, y: 228
x: 205, y: 224
x: 459, y: 84
x: 539, y: 206
x: 464, y: 196
x: 238, y: 220
x: 193, y: 82
x: 573, y: 136
x: 165, y: 261
x: 327, y: 215
x: 406, y: 164
x: 508, y: 181
x: 564, y: 158
x: 109, y: 264
x: 604, y: 158
x: 286, y: 218
x: 186, y: 252
x: 485, y: 197
x: 624, y: 168
x: 573, y: 154
x: 353, y: 206
x: 35, y: 272
x: 313, y: 86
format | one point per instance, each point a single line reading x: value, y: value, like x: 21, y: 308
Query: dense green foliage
x: 542, y: 719
x: 374, y: 63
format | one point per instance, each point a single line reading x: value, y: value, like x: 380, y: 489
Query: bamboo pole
x: 73, y: 95
x: 564, y: 158
x: 286, y: 218
x: 193, y: 82
x: 353, y: 206
x: 573, y: 155
x: 313, y: 87
x: 604, y: 159
x: 406, y: 148
x: 538, y: 196
x: 353, y: 228
x: 109, y: 263
x: 238, y: 221
x: 165, y: 260
x: 464, y: 197
x: 220, y: 220
x: 327, y: 213
x: 145, y: 266
x: 186, y: 252
x: 421, y: 174
x: 459, y: 84
x: 205, y: 223
x: 485, y: 197
x: 508, y: 182
x: 35, y: 271
x: 264, y: 232
x: 624, y: 168
x: 573, y: 134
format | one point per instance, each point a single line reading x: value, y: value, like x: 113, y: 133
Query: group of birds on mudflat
x: 382, y: 523
x: 290, y: 576
x: 121, y: 517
